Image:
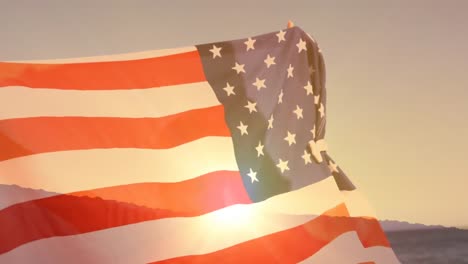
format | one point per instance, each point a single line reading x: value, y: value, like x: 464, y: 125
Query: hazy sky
x: 397, y: 78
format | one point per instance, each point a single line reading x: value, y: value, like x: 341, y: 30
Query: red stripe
x: 144, y: 73
x: 27, y: 136
x: 295, y: 244
x: 73, y: 214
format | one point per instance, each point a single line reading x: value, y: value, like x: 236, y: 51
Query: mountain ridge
x: 394, y: 225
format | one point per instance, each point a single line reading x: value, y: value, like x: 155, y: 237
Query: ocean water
x: 434, y: 246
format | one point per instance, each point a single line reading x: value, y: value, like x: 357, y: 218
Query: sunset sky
x: 397, y: 78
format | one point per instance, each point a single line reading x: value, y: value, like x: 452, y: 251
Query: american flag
x: 207, y: 154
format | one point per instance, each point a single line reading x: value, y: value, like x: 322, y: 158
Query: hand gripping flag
x: 206, y: 154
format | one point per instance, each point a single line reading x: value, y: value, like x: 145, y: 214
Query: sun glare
x: 233, y: 216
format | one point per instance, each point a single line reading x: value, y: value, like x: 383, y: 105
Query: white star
x: 301, y: 45
x: 313, y: 132
x: 239, y: 68
x: 270, y: 122
x: 251, y: 106
x: 316, y: 99
x: 243, y: 129
x: 298, y: 112
x: 253, y: 176
x: 259, y: 149
x: 269, y: 61
x: 259, y: 83
x: 216, y: 51
x: 229, y: 89
x: 282, y: 165
x: 317, y: 147
x: 280, y: 97
x: 309, y: 88
x: 250, y: 43
x: 321, y: 110
x: 280, y: 36
x: 306, y: 157
x: 333, y: 167
x: 290, y: 71
x: 291, y: 138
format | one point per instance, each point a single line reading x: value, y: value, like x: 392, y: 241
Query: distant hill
x: 389, y: 226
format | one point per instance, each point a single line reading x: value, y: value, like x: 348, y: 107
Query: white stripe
x: 347, y: 248
x: 116, y: 57
x: 18, y: 102
x: 172, y: 237
x: 357, y: 204
x: 76, y: 170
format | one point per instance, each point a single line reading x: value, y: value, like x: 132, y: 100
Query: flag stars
x: 301, y: 45
x: 298, y: 112
x: 259, y: 149
x: 316, y: 99
x: 229, y: 89
x: 259, y: 83
x: 333, y: 167
x: 270, y: 122
x: 239, y: 68
x: 280, y: 97
x: 251, y: 106
x: 246, y: 107
x: 250, y: 44
x: 290, y: 71
x: 290, y: 138
x: 216, y: 51
x: 252, y: 175
x: 321, y: 110
x: 309, y: 88
x: 316, y: 148
x: 280, y: 36
x: 269, y: 61
x: 282, y: 165
x: 306, y: 157
x: 243, y: 129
